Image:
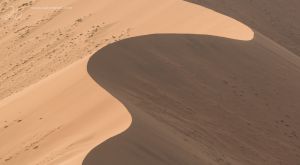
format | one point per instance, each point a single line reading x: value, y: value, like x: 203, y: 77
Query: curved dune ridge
x: 60, y: 119
x: 44, y: 40
x: 198, y: 99
x: 277, y: 19
x: 215, y: 98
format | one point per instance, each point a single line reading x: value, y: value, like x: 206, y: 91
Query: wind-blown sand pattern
x: 215, y: 98
x: 211, y: 100
x: 44, y: 40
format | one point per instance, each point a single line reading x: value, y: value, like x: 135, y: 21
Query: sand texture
x: 89, y: 82
x: 211, y: 100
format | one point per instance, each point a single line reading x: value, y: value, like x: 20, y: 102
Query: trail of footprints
x: 37, y: 57
x: 286, y: 127
x: 28, y: 55
x: 283, y: 125
x: 31, y: 144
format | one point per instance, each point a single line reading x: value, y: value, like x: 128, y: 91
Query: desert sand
x: 59, y: 119
x: 185, y: 85
x: 51, y: 34
x: 211, y: 101
x: 277, y: 19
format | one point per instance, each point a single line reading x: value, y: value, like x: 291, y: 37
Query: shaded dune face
x: 198, y: 99
x: 276, y: 19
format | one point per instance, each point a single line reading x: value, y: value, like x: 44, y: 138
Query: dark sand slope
x: 199, y: 99
x: 276, y: 19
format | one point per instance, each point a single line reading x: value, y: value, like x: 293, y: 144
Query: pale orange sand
x: 43, y: 40
x: 60, y: 119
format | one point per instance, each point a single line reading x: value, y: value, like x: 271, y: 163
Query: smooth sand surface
x: 59, y: 119
x: 64, y: 116
x: 198, y: 99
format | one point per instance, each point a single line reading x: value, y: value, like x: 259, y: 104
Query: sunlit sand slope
x: 60, y: 119
x: 42, y: 36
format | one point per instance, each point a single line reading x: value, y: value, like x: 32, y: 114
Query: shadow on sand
x: 198, y: 99
x: 275, y: 19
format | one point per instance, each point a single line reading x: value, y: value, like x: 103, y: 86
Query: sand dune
x: 198, y: 99
x: 52, y: 34
x: 215, y: 98
x: 59, y: 120
x: 275, y: 19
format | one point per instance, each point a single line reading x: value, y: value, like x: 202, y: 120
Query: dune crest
x: 51, y: 34
x: 198, y: 99
x: 60, y: 119
x: 276, y: 19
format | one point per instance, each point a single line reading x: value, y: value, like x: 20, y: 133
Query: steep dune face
x: 194, y: 99
x: 276, y: 19
x: 59, y: 120
x: 198, y: 99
